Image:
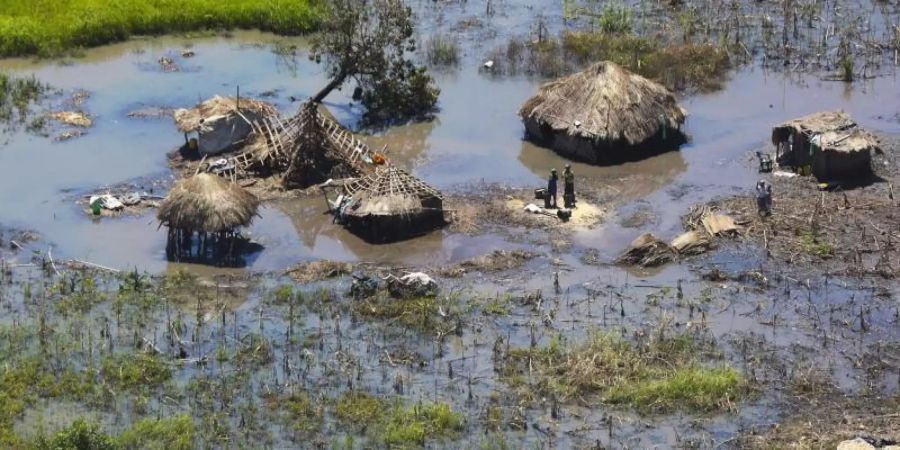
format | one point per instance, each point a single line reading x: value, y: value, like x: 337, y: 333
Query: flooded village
x: 491, y: 224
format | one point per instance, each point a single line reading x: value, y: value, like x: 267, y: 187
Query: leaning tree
x: 370, y: 42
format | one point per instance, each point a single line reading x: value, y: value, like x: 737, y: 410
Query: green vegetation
x: 302, y: 415
x: 80, y: 435
x: 814, y: 244
x: 135, y: 371
x: 679, y: 67
x: 358, y: 409
x: 369, y: 42
x: 416, y: 312
x: 662, y: 374
x: 17, y: 95
x: 170, y: 433
x: 396, y: 425
x: 441, y: 51
x: 48, y: 27
x: 615, y: 18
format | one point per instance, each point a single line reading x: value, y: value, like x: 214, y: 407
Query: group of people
x: 763, y: 192
x: 568, y: 188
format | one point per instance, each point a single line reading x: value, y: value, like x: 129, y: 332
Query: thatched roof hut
x: 209, y: 204
x: 604, y: 114
x: 831, y: 144
x: 221, y: 122
x: 391, y: 205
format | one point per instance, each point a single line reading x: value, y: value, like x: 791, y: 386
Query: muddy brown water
x: 476, y: 138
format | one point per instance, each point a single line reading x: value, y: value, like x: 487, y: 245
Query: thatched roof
x: 189, y: 120
x: 833, y: 131
x: 607, y: 103
x: 390, y: 191
x: 206, y: 202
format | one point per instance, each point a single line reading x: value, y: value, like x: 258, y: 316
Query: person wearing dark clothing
x: 551, y: 189
x: 764, y: 198
x: 569, y: 187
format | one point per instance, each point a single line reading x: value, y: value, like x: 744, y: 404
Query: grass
x: 814, y: 244
x: 682, y: 66
x: 135, y: 372
x: 441, y: 51
x: 50, y: 27
x: 615, y: 18
x: 660, y: 375
x: 17, y: 96
x: 395, y: 425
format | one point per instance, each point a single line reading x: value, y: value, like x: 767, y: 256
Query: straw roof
x: 833, y: 130
x: 189, y: 120
x: 605, y: 102
x: 208, y: 203
x: 390, y: 191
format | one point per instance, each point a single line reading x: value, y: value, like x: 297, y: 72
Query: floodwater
x: 475, y: 138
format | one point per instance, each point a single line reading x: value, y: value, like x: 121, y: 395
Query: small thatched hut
x: 221, y: 122
x: 604, y: 114
x: 210, y: 207
x: 389, y: 205
x: 830, y: 144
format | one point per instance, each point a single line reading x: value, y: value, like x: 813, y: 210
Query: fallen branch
x: 96, y: 266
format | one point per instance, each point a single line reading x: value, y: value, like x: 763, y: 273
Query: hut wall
x: 831, y: 164
x: 383, y: 229
x: 589, y: 151
x: 224, y: 132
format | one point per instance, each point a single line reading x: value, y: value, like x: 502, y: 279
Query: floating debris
x: 73, y: 118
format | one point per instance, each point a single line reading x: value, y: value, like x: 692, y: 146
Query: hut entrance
x: 203, y: 215
x: 828, y: 145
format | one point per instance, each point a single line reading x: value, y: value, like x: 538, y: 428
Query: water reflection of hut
x: 389, y: 205
x: 604, y: 114
x: 221, y: 122
x: 211, y: 208
x: 829, y: 144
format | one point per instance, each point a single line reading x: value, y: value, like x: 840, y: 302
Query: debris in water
x: 73, y: 118
x: 647, y: 251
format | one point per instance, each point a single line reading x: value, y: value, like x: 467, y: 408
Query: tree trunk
x: 332, y: 85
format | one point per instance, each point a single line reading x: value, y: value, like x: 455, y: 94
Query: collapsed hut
x: 604, y: 114
x: 388, y: 205
x: 828, y: 145
x: 203, y: 214
x: 306, y: 149
x: 221, y: 123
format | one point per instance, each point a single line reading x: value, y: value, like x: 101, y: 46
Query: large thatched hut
x: 389, y: 205
x: 210, y: 208
x: 220, y: 123
x: 830, y: 145
x: 604, y: 114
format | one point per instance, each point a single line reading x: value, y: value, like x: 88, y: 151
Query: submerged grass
x: 659, y: 375
x: 48, y: 27
x: 395, y: 425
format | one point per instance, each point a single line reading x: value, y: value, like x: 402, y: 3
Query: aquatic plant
x: 81, y: 435
x: 49, y: 27
x: 441, y: 51
x: 168, y: 433
x: 661, y: 374
x: 615, y: 18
